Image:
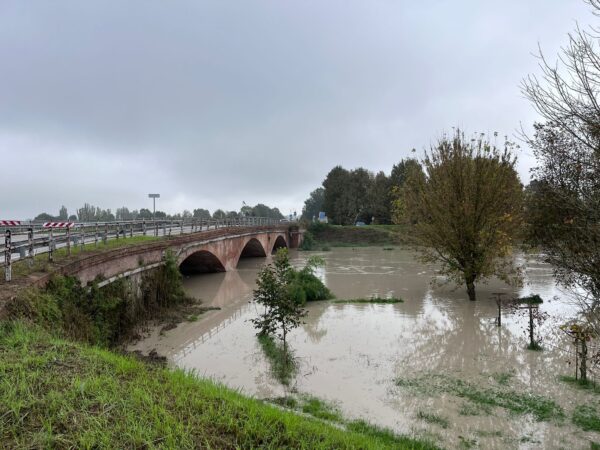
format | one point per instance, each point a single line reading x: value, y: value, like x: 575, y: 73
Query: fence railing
x: 24, y: 240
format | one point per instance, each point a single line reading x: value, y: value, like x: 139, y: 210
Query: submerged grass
x: 470, y: 409
x: 283, y: 364
x: 58, y: 394
x: 586, y: 417
x: 433, y: 419
x: 535, y: 346
x: 320, y: 409
x: 323, y: 410
x: 502, y: 378
x: 540, y: 407
x: 373, y: 300
x: 581, y: 384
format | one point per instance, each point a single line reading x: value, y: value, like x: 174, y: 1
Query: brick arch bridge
x: 201, y: 252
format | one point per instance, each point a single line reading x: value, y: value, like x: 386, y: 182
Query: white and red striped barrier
x: 10, y: 223
x: 58, y: 224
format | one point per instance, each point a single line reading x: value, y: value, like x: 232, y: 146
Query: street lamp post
x: 154, y: 197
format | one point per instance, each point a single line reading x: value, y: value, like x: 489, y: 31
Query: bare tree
x: 564, y: 203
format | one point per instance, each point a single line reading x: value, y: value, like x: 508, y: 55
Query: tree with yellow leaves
x: 464, y: 208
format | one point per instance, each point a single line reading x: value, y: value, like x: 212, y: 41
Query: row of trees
x: 90, y: 213
x: 348, y: 196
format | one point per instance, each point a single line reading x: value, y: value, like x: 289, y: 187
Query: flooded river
x: 351, y: 354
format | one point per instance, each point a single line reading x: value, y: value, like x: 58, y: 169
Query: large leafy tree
x: 401, y: 172
x: 380, y: 199
x: 313, y: 205
x: 201, y: 213
x: 335, y: 195
x: 565, y: 204
x: 465, y: 209
x: 346, y: 195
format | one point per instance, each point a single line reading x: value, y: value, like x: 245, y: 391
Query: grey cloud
x: 215, y: 103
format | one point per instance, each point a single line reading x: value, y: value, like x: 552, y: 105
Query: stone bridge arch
x: 280, y: 241
x: 201, y: 261
x: 224, y: 254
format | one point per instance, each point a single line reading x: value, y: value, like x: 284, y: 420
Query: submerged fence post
x: 7, y: 255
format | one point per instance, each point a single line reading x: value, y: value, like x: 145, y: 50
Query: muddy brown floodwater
x: 351, y: 354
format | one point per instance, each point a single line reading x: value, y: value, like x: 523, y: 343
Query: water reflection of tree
x: 312, y: 323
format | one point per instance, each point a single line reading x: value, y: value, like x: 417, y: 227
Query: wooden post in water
x: 499, y: 301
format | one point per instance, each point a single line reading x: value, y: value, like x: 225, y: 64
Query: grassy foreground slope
x: 58, y: 394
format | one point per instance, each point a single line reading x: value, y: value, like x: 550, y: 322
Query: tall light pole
x: 154, y: 197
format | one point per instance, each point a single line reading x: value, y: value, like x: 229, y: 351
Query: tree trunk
x: 471, y: 289
x: 499, y: 313
x: 284, y: 346
x: 583, y: 362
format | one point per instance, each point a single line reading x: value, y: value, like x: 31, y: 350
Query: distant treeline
x: 90, y: 213
x: 348, y: 196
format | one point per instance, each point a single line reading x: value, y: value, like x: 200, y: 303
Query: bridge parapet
x: 198, y: 252
x: 24, y: 240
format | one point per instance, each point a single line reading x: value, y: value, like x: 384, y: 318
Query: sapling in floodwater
x: 282, y: 298
x: 581, y: 335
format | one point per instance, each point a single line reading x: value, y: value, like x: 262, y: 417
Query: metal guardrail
x: 24, y: 241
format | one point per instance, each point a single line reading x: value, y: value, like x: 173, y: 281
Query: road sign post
x: 30, y: 242
x: 69, y: 241
x: 7, y: 255
x: 51, y: 246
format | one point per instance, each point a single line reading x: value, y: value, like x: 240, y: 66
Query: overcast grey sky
x: 212, y: 103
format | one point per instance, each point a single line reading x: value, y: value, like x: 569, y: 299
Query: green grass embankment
x: 55, y: 393
x: 325, y: 235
